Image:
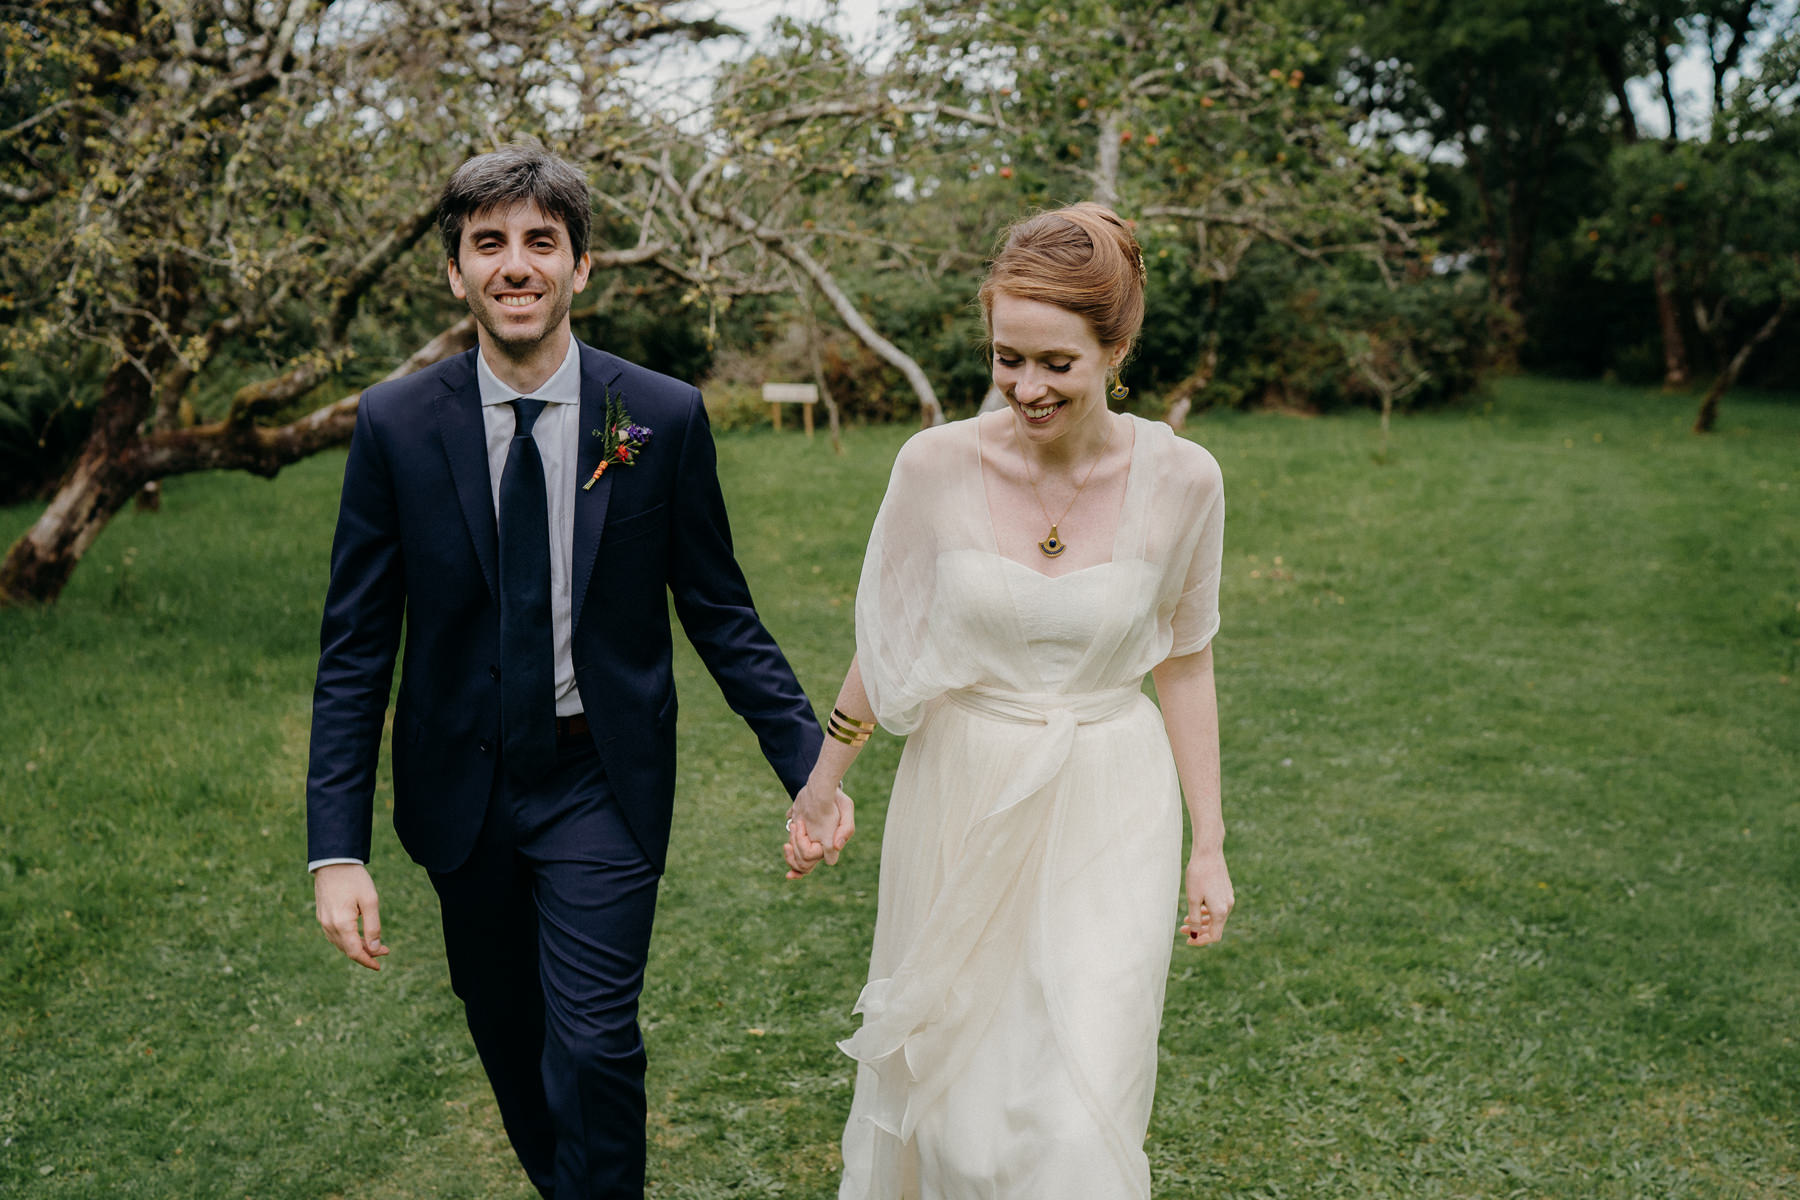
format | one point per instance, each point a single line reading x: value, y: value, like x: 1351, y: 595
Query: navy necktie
x: 527, y: 649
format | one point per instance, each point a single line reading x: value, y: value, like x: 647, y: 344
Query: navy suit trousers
x: 547, y: 928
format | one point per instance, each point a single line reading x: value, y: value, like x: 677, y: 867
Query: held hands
x: 1209, y: 898
x: 820, y: 823
x: 342, y: 892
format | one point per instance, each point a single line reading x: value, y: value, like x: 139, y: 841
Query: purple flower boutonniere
x: 621, y: 442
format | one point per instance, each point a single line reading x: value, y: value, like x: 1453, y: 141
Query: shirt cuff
x: 316, y: 863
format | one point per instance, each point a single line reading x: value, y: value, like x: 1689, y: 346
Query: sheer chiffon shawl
x: 920, y: 635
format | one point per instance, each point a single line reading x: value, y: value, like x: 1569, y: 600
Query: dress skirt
x: 1029, y: 868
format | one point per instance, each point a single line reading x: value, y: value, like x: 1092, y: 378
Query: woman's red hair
x: 1082, y: 258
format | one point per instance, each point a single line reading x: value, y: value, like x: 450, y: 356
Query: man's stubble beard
x: 516, y: 347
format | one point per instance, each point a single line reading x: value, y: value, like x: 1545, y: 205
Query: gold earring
x: 1119, y: 391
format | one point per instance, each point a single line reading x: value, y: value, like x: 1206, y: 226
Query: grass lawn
x: 1511, y: 736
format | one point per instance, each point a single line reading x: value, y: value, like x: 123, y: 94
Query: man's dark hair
x: 518, y: 172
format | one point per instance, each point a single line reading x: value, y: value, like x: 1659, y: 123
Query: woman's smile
x: 1041, y: 412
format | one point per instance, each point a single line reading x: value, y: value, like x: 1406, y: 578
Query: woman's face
x: 1049, y: 365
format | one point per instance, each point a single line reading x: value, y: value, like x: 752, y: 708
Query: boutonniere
x: 620, y: 442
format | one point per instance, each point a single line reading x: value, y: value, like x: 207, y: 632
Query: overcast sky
x: 859, y: 19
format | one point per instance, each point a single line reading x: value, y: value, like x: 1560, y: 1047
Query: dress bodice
x: 1025, y: 631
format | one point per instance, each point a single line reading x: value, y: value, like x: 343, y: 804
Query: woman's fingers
x: 846, y: 809
x: 1203, y: 927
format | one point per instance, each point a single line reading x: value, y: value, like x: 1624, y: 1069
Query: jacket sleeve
x: 358, y: 641
x: 713, y: 603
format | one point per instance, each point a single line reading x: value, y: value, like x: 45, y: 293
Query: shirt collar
x: 563, y: 386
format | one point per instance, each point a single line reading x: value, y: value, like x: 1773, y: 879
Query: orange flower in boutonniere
x: 622, y: 441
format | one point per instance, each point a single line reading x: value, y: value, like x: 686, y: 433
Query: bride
x: 1025, y: 571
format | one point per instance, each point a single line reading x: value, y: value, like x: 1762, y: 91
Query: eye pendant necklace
x: 1053, y: 544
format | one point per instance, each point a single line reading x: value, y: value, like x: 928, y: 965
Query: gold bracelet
x: 848, y: 730
x: 863, y: 727
x: 846, y: 738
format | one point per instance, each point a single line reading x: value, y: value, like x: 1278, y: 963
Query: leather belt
x: 571, y: 727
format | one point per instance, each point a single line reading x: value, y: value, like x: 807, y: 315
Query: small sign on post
x: 804, y: 394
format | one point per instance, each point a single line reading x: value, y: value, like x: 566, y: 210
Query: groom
x: 524, y: 509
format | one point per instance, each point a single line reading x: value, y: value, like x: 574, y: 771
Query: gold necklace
x: 1054, y: 545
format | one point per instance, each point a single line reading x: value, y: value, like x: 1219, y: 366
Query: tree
x: 1211, y: 124
x: 1509, y: 89
x: 193, y: 183
x: 1717, y: 215
x: 1528, y: 98
x: 804, y: 149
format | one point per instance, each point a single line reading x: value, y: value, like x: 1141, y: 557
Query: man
x: 524, y: 507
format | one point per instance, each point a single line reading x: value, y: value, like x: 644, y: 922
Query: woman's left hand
x: 820, y: 823
x: 1209, y: 898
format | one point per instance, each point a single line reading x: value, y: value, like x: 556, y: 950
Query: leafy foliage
x: 1716, y: 215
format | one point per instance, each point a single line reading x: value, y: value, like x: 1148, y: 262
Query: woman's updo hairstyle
x: 1082, y: 258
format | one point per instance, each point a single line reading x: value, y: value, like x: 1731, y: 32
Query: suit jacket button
x: 486, y: 746
x: 494, y: 672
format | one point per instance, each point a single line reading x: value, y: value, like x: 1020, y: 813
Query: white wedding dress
x: 1031, y: 862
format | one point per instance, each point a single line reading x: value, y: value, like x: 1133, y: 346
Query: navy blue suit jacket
x: 416, y: 547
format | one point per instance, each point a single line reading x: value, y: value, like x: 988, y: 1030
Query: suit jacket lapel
x: 465, y: 445
x: 598, y: 371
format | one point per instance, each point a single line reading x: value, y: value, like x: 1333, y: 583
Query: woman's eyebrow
x: 1003, y: 348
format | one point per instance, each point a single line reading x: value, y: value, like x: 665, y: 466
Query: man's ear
x: 582, y: 266
x: 456, y: 280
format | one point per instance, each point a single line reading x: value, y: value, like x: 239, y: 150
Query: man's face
x: 519, y: 275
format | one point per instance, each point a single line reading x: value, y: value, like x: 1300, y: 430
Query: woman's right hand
x: 1209, y: 896
x: 820, y: 824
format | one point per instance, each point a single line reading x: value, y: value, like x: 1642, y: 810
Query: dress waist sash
x: 1046, y: 708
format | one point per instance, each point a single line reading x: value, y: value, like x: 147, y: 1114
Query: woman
x: 1025, y: 571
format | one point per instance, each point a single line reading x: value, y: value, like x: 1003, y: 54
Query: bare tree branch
x: 374, y: 264
x: 28, y: 196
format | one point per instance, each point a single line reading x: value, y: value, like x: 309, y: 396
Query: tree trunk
x: 1181, y: 399
x: 1106, y: 161
x: 818, y: 370
x: 1708, y: 415
x: 101, y: 482
x: 1668, y: 317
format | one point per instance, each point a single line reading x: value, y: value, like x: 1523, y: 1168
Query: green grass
x: 1511, y: 732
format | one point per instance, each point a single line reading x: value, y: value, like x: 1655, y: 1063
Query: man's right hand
x: 821, y: 822
x: 343, y: 895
